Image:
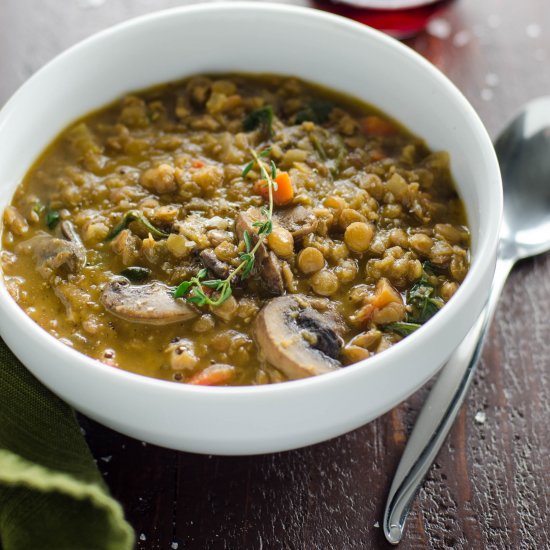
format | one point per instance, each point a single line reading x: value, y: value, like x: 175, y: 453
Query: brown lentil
x: 358, y: 236
x: 324, y: 282
x: 310, y: 260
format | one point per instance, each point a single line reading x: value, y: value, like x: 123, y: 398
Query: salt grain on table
x: 480, y: 417
x: 174, y: 546
x: 142, y: 537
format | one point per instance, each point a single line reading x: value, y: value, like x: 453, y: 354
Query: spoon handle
x: 438, y: 414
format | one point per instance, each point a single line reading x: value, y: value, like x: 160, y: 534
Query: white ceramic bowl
x: 252, y: 37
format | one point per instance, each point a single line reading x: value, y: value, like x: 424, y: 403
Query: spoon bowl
x: 523, y: 151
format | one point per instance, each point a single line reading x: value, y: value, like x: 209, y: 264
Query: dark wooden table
x: 490, y: 486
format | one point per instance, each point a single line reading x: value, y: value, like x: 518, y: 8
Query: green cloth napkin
x: 52, y: 496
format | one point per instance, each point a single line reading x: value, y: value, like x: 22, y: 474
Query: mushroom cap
x: 53, y: 255
x: 297, y: 339
x: 211, y: 262
x: 299, y: 220
x: 151, y: 304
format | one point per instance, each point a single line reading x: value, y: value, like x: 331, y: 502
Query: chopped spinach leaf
x: 260, y: 118
x: 403, y: 328
x: 421, y: 298
x: 316, y: 111
x: 136, y: 274
x: 52, y: 218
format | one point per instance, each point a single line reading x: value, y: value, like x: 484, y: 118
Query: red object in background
x: 401, y: 23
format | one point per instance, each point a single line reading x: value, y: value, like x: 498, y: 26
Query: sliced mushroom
x: 300, y: 221
x: 54, y: 255
x: 297, y: 339
x: 151, y: 304
x: 216, y: 266
x: 268, y: 266
x: 271, y: 273
x: 67, y: 230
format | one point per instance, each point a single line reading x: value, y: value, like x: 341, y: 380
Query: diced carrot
x: 376, y: 126
x: 213, y: 375
x: 284, y: 192
x: 385, y: 294
x: 197, y: 164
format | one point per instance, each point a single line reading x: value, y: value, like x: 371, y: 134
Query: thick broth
x: 176, y: 153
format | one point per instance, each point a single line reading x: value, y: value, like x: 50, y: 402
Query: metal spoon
x: 523, y: 150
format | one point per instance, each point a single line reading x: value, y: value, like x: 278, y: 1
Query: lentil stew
x: 233, y: 230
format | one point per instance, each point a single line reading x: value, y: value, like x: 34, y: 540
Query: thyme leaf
x: 274, y: 172
x: 247, y: 168
x: 212, y: 283
x: 247, y: 241
x: 182, y: 288
x: 197, y: 296
x: 248, y: 259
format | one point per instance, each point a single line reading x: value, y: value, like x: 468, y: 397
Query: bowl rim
x: 486, y: 247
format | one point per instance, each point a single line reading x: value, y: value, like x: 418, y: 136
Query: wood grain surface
x: 490, y: 486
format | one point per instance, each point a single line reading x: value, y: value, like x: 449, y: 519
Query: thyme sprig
x: 197, y: 290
